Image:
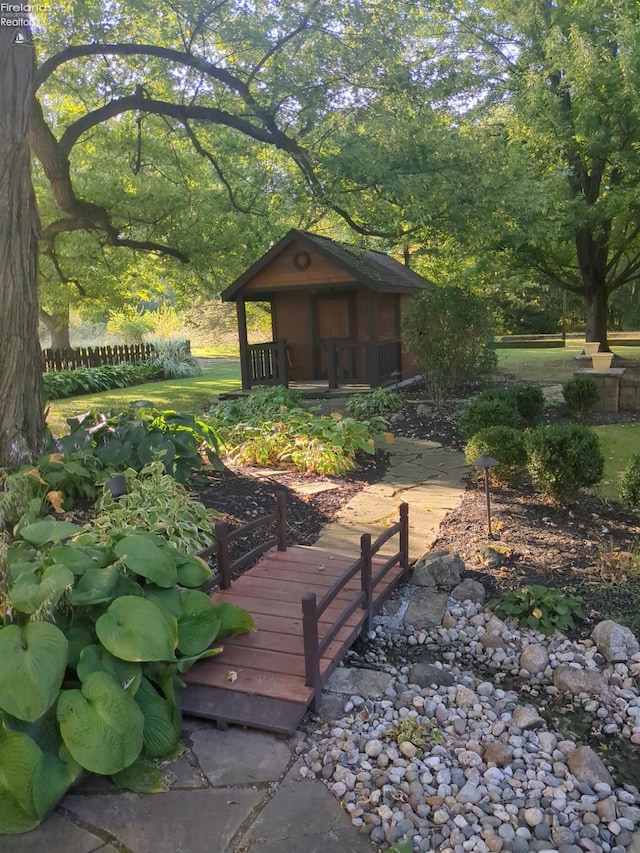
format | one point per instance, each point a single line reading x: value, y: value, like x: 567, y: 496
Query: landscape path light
x: 486, y: 462
x: 117, y: 486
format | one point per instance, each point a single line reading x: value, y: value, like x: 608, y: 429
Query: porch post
x: 373, y: 367
x: 244, y: 343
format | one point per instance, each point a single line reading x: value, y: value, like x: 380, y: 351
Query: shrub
x: 529, y: 402
x: 506, y: 445
x: 379, y: 402
x: 563, y: 459
x: 630, y: 483
x: 485, y: 410
x: 155, y: 503
x: 449, y: 333
x: 94, y: 637
x: 580, y: 394
x: 539, y: 607
x: 129, y: 325
x: 173, y: 359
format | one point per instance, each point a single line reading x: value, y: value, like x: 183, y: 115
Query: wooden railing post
x: 281, y: 520
x: 332, y: 367
x: 222, y: 553
x: 311, y: 647
x: 281, y: 361
x: 404, y: 539
x: 365, y: 575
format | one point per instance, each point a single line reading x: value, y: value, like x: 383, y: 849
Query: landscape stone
x: 469, y: 590
x: 239, y: 755
x: 588, y: 767
x: 426, y: 674
x: 615, y: 642
x: 526, y: 717
x: 534, y: 659
x: 441, y: 567
x: 574, y: 681
x: 498, y: 753
x: 494, y: 556
x: 426, y: 608
x: 369, y: 683
x: 54, y: 835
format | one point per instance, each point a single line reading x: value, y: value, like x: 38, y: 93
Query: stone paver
x: 176, y: 822
x: 357, y: 682
x: 426, y: 608
x: 57, y: 834
x: 240, y: 756
x: 324, y: 827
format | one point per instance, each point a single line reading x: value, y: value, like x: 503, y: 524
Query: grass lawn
x: 228, y: 349
x: 550, y: 365
x: 619, y: 443
x: 183, y: 395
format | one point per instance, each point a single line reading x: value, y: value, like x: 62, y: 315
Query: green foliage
x: 173, y: 359
x: 141, y: 434
x: 505, y: 444
x: 87, y: 380
x: 485, y: 410
x: 69, y: 476
x: 542, y: 608
x: 419, y: 733
x: 580, y: 394
x: 94, y: 631
x: 563, y: 459
x: 129, y: 325
x: 629, y: 483
x: 156, y: 503
x: 529, y: 401
x: 449, y: 332
x: 380, y: 402
x: 269, y: 429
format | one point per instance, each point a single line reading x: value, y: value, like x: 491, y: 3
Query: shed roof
x: 378, y: 271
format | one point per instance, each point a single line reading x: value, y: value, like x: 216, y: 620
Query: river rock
x: 534, y: 659
x: 469, y: 590
x: 498, y: 753
x: 438, y: 568
x: 574, y: 681
x: 426, y: 608
x: 588, y: 767
x: 426, y: 674
x: 526, y: 717
x: 465, y: 698
x: 615, y: 642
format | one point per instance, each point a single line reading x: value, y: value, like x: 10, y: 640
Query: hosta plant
x: 543, y: 608
x: 93, y: 638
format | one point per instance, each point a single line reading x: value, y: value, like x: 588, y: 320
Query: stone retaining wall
x: 619, y: 387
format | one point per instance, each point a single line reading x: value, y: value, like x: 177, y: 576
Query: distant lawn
x: 228, y: 349
x: 552, y: 365
x: 619, y: 443
x: 183, y: 395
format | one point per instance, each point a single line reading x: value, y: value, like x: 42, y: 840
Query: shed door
x: 335, y: 321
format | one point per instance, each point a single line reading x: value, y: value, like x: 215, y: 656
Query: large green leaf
x: 97, y: 659
x: 141, y: 556
x: 143, y: 777
x: 233, y: 620
x: 160, y: 731
x: 31, y: 782
x: 33, y: 660
x: 48, y: 530
x: 193, y: 572
x: 135, y: 629
x: 168, y: 600
x: 80, y: 558
x: 31, y: 591
x: 96, y: 586
x: 185, y: 664
x: 101, y: 724
x: 199, y: 624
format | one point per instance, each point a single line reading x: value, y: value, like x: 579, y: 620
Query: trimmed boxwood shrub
x: 529, y: 401
x: 580, y: 394
x: 563, y: 459
x: 630, y: 483
x: 507, y: 446
x: 490, y: 408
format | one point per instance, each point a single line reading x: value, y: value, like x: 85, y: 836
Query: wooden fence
x: 72, y: 359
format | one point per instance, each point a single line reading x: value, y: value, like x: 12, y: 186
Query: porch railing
x: 342, y: 360
x: 267, y: 363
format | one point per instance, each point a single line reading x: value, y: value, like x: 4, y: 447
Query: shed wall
x: 281, y: 272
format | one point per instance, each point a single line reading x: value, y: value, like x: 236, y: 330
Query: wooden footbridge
x: 309, y: 605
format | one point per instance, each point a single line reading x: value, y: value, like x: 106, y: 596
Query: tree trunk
x: 597, y: 316
x: 57, y: 324
x: 21, y: 412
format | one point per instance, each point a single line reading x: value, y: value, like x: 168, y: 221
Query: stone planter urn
x: 590, y: 347
x: 601, y: 360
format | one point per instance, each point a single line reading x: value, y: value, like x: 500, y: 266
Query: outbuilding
x: 335, y: 314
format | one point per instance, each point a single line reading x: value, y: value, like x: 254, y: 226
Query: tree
x: 255, y: 79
